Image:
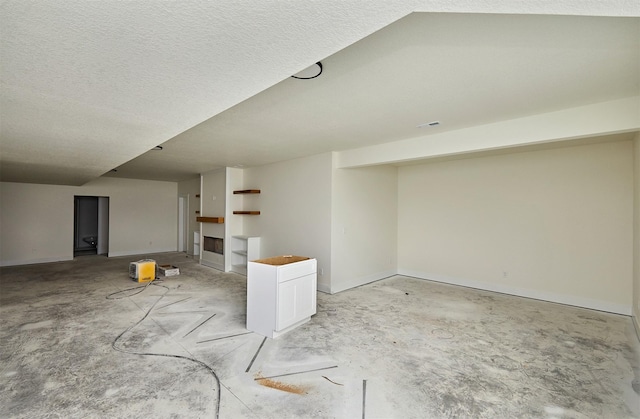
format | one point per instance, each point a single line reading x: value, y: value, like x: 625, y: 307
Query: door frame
x: 183, y: 223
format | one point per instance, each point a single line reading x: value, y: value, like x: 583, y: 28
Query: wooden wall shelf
x: 247, y: 191
x: 215, y: 220
x: 246, y: 212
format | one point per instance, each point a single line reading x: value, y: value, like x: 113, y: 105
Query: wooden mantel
x: 247, y: 191
x: 215, y: 220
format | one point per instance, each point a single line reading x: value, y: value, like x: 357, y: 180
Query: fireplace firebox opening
x: 214, y: 244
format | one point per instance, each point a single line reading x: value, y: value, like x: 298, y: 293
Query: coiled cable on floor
x: 202, y: 364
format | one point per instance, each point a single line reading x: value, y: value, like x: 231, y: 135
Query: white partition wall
x: 364, y: 240
x: 213, y: 204
x: 295, y: 209
x: 636, y: 245
x: 551, y: 224
x: 36, y: 221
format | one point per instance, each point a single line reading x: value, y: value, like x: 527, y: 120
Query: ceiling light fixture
x: 158, y: 147
x: 429, y: 124
x: 310, y: 72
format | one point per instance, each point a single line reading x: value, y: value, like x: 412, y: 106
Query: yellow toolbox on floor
x: 143, y: 270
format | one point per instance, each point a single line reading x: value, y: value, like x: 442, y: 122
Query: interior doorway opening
x: 91, y: 225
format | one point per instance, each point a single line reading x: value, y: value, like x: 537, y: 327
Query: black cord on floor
x: 140, y: 287
x: 202, y: 364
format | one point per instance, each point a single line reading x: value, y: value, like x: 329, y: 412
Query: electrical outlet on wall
x: 321, y: 271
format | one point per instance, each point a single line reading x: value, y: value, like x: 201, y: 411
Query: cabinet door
x: 296, y: 300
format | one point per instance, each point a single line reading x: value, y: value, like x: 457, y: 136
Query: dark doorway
x: 91, y: 225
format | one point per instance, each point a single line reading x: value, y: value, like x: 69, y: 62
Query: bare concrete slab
x: 80, y: 339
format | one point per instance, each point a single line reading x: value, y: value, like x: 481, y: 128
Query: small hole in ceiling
x: 429, y: 124
x: 310, y: 72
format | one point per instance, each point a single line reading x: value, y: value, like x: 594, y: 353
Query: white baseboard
x: 138, y: 252
x: 213, y: 265
x: 324, y: 288
x: 68, y: 258
x: 636, y: 324
x: 34, y: 261
x: 524, y: 292
x: 362, y: 281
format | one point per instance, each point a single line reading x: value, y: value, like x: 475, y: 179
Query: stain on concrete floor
x: 279, y: 385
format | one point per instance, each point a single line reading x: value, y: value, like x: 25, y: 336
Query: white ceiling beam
x: 599, y: 119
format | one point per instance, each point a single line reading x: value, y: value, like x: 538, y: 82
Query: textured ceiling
x: 89, y: 86
x: 462, y: 70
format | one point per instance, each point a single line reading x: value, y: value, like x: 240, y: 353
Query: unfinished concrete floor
x: 397, y: 348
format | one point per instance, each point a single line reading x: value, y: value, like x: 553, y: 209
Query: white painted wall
x: 295, y: 206
x: 364, y: 226
x: 142, y: 214
x: 636, y: 235
x: 36, y: 221
x: 234, y: 224
x: 212, y: 204
x: 191, y: 188
x: 552, y: 224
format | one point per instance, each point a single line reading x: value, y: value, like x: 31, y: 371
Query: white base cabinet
x: 281, y: 294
